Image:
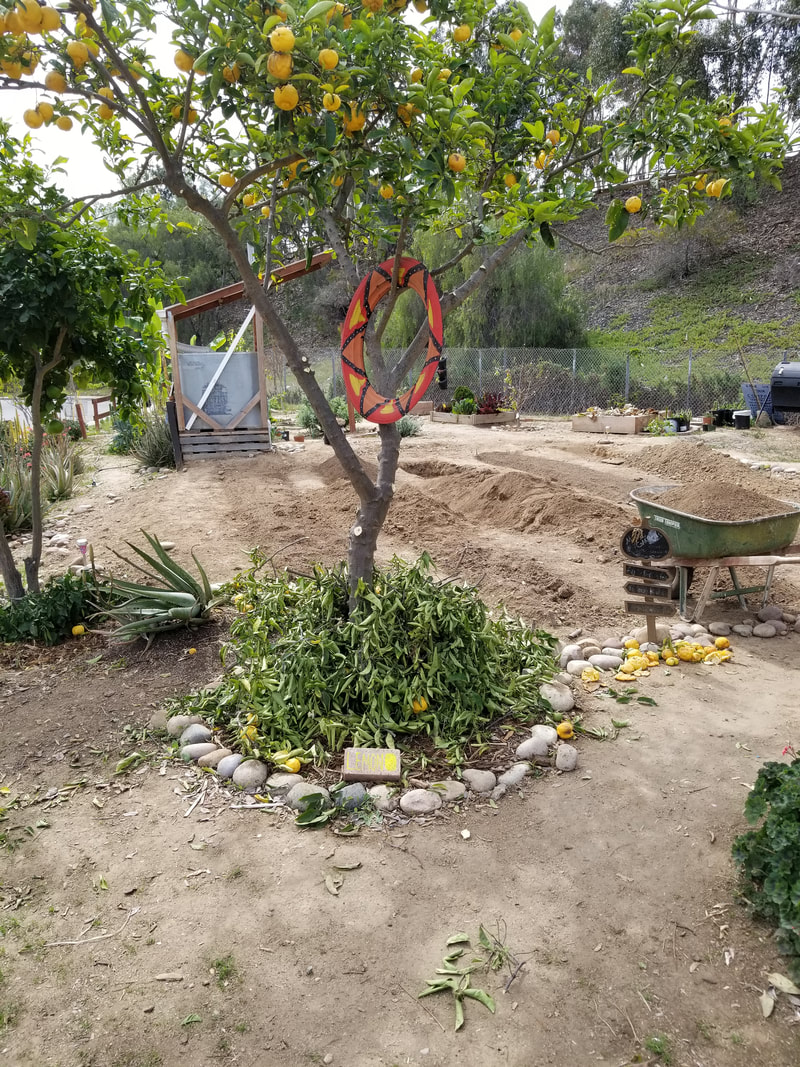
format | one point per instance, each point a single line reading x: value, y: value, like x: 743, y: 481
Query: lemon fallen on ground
x: 590, y: 674
x: 722, y: 642
x: 293, y: 765
x: 565, y: 731
x: 78, y: 631
x: 630, y: 643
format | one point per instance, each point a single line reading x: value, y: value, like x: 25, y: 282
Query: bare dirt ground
x: 615, y: 883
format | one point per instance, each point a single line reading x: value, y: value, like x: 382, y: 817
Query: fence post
x: 689, y: 384
x: 627, y: 375
x: 333, y: 374
x: 480, y: 371
x: 574, y: 380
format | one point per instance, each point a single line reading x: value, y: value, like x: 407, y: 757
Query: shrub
x: 462, y: 393
x: 410, y: 426
x: 61, y: 463
x: 49, y: 616
x: 153, y: 446
x: 770, y: 856
x: 465, y: 407
x: 125, y: 435
x: 308, y: 419
x: 15, y: 481
x: 417, y: 658
x: 491, y: 403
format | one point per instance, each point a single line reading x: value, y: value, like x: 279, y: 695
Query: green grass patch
x: 419, y: 661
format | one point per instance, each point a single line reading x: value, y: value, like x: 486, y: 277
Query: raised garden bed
x: 610, y: 423
x: 474, y: 420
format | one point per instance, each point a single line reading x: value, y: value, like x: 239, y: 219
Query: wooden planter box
x: 424, y: 407
x: 610, y: 423
x: 474, y: 420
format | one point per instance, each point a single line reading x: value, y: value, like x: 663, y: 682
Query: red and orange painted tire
x: 369, y: 403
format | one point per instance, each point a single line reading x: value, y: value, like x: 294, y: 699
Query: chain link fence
x: 562, y: 381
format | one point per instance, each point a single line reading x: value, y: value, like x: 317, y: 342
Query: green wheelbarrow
x: 694, y: 541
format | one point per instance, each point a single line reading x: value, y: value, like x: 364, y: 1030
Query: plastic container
x: 691, y: 537
x: 741, y: 420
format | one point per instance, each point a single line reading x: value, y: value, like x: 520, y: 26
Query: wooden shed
x: 218, y: 404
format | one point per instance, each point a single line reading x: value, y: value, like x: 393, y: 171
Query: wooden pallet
x: 219, y: 443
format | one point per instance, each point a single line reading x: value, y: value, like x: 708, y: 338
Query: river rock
x: 531, y: 747
x: 564, y: 678
x: 279, y: 784
x: 611, y: 642
x: 558, y: 696
x: 298, y: 795
x: 662, y: 633
x: 611, y: 650
x: 383, y: 796
x: 213, y: 758
x: 541, y: 729
x: 228, y: 764
x: 585, y: 642
x: 251, y: 774
x: 178, y: 723
x: 195, y: 733
x: 605, y: 662
x: 577, y: 666
x: 479, y: 781
x: 420, y: 802
x: 764, y: 629
x: 192, y: 753
x: 569, y: 652
x: 789, y: 618
x: 797, y: 627
x: 719, y: 629
x: 770, y: 612
x: 158, y: 723
x: 566, y: 758
x: 590, y: 650
x: 514, y: 775
x: 449, y: 790
x: 350, y: 796
x: 742, y: 631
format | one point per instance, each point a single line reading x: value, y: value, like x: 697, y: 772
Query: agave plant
x: 147, y: 610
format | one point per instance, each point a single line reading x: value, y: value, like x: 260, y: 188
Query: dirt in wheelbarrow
x: 720, y: 501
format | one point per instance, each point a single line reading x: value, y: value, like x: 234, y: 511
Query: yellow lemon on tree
x: 232, y: 74
x: 331, y: 101
x: 78, y: 631
x: 265, y: 211
x: 105, y: 112
x: 286, y: 97
x: 282, y: 39
x: 405, y: 114
x: 701, y: 182
x: 540, y: 161
x: 248, y: 199
x: 227, y: 180
x: 45, y: 109
x: 32, y: 118
x: 372, y: 5
x: 386, y: 191
x: 337, y: 180
x: 444, y: 74
x: 516, y: 34
x: 553, y: 136
x: 64, y: 122
x: 279, y: 65
x: 416, y: 74
x: 565, y: 730
x: 55, y: 82
x: 105, y: 92
x: 456, y: 162
x: 328, y: 59
x: 633, y: 205
x: 51, y: 20
x: 183, y: 61
x: 78, y: 53
x: 462, y: 33
x: 511, y: 180
x: 30, y: 15
x: 355, y: 122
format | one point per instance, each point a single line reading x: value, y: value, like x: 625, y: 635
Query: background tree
x: 70, y: 302
x: 357, y: 127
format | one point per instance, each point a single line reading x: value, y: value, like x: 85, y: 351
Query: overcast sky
x: 84, y: 171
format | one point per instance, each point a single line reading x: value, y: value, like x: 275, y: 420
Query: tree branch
x: 346, y: 263
x: 92, y: 200
x: 393, y: 291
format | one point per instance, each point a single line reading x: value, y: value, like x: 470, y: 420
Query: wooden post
x: 351, y: 414
x: 172, y: 422
x: 258, y: 337
x: 81, y: 420
x: 172, y: 335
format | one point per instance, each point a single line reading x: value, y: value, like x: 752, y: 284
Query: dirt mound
x: 720, y: 501
x: 677, y: 461
x: 430, y: 468
x: 331, y: 470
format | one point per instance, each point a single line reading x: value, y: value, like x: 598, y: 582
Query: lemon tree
x: 70, y: 301
x: 305, y: 125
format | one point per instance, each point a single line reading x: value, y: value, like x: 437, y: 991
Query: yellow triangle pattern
x: 355, y: 384
x: 430, y: 315
x: 358, y: 316
x: 387, y: 409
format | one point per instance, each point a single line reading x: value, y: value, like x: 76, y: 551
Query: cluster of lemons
x: 285, y: 759
x: 638, y: 662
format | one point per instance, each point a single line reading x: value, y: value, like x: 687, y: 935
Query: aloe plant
x: 147, y: 610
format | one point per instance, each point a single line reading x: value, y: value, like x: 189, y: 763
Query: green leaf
x: 457, y: 939
x: 616, y: 219
x: 481, y: 996
x: 547, y: 235
x: 321, y: 8
x: 634, y: 70
x: 331, y: 132
x: 535, y: 129
x: 190, y: 1019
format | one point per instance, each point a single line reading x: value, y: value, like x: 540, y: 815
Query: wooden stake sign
x: 657, y: 597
